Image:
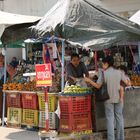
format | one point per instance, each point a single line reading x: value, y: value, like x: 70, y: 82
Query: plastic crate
x: 52, y: 99
x: 73, y: 104
x: 75, y: 122
x: 14, y: 100
x: 53, y: 120
x: 30, y: 117
x: 29, y: 101
x: 14, y: 117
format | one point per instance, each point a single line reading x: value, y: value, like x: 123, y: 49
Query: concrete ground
x: 21, y: 134
x: 17, y: 134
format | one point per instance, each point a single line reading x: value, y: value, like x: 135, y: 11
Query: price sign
x: 43, y: 75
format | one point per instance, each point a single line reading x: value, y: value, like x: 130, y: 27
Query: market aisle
x: 17, y: 134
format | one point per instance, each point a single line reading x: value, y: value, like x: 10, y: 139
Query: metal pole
x: 46, y: 108
x: 4, y: 95
x: 139, y: 51
x: 95, y: 60
x: 62, y: 72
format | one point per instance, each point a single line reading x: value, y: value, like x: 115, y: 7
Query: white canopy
x: 8, y: 19
x: 136, y: 17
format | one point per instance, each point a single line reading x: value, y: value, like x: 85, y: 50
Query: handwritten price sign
x: 43, y: 75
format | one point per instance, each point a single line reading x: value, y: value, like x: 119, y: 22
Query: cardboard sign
x: 43, y: 75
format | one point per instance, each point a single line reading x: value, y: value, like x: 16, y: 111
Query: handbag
x: 102, y: 93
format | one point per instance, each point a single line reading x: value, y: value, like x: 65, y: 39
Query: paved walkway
x: 17, y: 134
x: 21, y: 134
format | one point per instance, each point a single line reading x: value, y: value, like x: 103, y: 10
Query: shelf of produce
x: 17, y: 91
x: 41, y: 92
x: 37, y: 92
x: 10, y: 91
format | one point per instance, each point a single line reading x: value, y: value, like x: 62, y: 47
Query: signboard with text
x: 43, y: 75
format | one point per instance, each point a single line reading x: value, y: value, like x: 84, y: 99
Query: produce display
x: 28, y: 86
x: 119, y: 60
x: 135, y: 80
x: 56, y: 82
x: 74, y: 89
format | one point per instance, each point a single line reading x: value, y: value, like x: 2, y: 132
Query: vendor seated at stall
x: 13, y: 75
x: 75, y: 69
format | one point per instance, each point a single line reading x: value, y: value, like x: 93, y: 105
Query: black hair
x: 109, y: 60
x: 124, y: 68
x: 74, y: 55
x: 13, y: 64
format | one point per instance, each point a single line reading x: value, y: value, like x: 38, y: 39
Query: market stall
x: 102, y: 30
x: 80, y: 32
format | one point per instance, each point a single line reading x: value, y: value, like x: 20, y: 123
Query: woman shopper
x: 113, y: 106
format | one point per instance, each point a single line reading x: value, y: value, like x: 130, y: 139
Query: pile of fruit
x: 135, y: 80
x: 74, y: 89
x: 29, y: 86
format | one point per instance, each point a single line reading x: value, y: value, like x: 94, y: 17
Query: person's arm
x: 121, y: 93
x: 126, y: 80
x: 96, y: 85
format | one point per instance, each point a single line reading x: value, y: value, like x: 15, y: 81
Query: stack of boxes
x: 30, y: 109
x: 52, y: 104
x: 14, y: 109
x: 75, y: 113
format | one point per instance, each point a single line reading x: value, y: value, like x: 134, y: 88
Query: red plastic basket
x: 75, y: 122
x: 73, y: 104
x: 14, y: 100
x: 29, y: 101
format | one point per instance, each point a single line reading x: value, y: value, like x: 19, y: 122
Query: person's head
x: 14, y: 59
x: 123, y: 68
x: 11, y: 68
x: 108, y: 62
x: 75, y: 59
x: 14, y: 62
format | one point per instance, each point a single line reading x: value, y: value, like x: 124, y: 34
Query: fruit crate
x: 14, y: 117
x: 13, y: 100
x: 30, y: 117
x: 29, y: 101
x: 53, y: 120
x: 75, y: 122
x: 73, y: 104
x: 52, y: 100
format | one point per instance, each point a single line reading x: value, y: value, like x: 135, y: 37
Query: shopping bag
x: 102, y: 93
